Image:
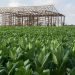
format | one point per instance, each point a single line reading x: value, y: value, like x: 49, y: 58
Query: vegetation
x: 37, y: 50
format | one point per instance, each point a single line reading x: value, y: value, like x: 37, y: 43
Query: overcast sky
x: 66, y: 7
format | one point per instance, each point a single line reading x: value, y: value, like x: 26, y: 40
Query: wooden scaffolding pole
x: 63, y: 20
x: 58, y: 20
x: 37, y: 20
x: 22, y: 20
x: 48, y: 21
x: 51, y: 20
x: 3, y: 19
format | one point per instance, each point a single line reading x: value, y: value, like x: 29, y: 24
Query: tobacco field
x: 37, y: 50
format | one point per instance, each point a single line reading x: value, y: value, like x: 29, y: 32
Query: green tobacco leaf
x: 55, y: 59
x: 3, y: 71
x: 22, y: 71
x: 27, y: 64
x: 65, y: 58
x: 46, y: 72
x: 72, y: 71
x: 12, y: 68
x: 41, y: 55
x: 45, y: 59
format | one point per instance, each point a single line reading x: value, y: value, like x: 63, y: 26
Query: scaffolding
x: 31, y: 16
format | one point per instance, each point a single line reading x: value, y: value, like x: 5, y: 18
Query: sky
x: 66, y: 7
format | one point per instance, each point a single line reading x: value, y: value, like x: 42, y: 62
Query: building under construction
x: 31, y: 16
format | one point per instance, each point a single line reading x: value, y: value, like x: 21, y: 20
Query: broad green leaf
x: 46, y: 72
x: 55, y: 59
x: 72, y: 71
x: 45, y: 59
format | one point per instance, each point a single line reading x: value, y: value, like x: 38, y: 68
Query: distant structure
x: 31, y: 16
